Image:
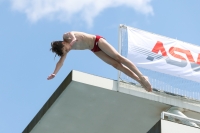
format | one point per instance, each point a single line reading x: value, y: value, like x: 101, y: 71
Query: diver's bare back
x: 84, y: 40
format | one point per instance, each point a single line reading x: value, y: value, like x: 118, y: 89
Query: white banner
x: 162, y: 54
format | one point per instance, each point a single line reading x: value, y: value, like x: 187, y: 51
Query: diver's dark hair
x: 56, y: 47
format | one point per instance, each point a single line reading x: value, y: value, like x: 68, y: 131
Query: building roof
x: 89, y: 103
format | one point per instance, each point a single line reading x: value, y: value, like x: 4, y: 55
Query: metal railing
x: 183, y: 120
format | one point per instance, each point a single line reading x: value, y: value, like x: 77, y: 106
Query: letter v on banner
x: 163, y: 54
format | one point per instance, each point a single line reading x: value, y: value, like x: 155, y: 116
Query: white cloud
x: 66, y: 10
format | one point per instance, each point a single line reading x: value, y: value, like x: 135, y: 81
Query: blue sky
x: 28, y: 27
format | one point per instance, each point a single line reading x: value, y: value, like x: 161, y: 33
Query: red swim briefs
x: 96, y: 47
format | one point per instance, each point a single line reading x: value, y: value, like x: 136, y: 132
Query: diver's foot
x: 144, y: 81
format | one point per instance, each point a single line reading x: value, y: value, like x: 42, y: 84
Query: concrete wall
x: 83, y: 108
x: 171, y: 127
x: 164, y: 126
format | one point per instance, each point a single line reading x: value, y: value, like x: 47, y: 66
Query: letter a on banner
x: 163, y: 54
